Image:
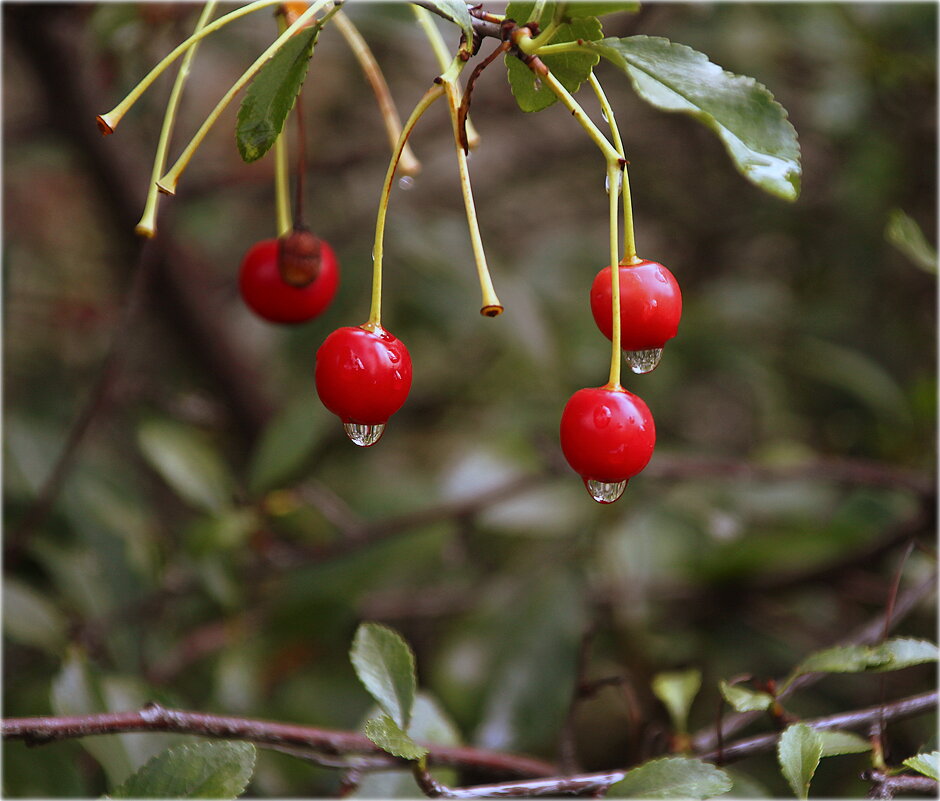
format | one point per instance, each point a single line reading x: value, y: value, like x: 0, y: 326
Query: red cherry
x: 363, y: 377
x: 267, y: 294
x: 650, y: 305
x: 607, y: 436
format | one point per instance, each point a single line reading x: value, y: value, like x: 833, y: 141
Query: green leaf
x: 799, y: 750
x: 902, y: 652
x: 272, y: 94
x: 836, y: 743
x: 742, y: 112
x: 894, y: 654
x: 672, y: 777
x: 569, y: 68
x: 453, y: 11
x: 744, y: 700
x: 184, y: 459
x: 386, y: 666
x: 285, y: 445
x: 928, y: 764
x: 387, y: 735
x: 677, y: 690
x: 200, y: 770
x: 29, y: 617
x: 906, y: 235
x: 577, y: 10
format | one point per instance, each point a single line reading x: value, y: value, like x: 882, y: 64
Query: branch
x: 887, y: 786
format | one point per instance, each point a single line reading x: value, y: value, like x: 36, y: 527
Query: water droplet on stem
x: 643, y: 361
x: 364, y: 434
x: 603, y: 491
x: 406, y: 182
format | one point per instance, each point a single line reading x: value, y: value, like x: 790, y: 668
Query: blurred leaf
x: 272, y: 95
x: 902, y: 652
x: 893, y: 654
x: 677, y: 691
x: 836, y: 743
x: 587, y: 9
x: 453, y: 11
x: 927, y: 764
x: 187, y: 463
x: 385, y: 664
x: 798, y: 752
x: 745, y: 786
x: 285, y: 445
x: 906, y: 235
x: 751, y: 124
x: 222, y: 532
x: 570, y: 69
x: 30, y: 618
x: 386, y: 734
x: 672, y: 777
x: 200, y: 770
x: 743, y: 699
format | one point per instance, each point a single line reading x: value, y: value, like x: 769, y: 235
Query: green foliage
x: 837, y: 743
x: 285, y: 445
x: 454, y: 11
x: 571, y: 69
x: 743, y: 699
x: 385, y: 665
x: 672, y: 777
x: 751, y: 124
x: 893, y: 654
x: 31, y: 618
x: 928, y: 764
x: 677, y: 691
x: 799, y: 750
x: 202, y: 770
x: 588, y: 9
x: 905, y: 234
x: 387, y: 734
x: 272, y: 95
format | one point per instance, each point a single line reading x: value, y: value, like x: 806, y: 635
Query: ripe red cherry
x: 267, y: 294
x: 607, y: 436
x: 363, y: 377
x: 650, y: 305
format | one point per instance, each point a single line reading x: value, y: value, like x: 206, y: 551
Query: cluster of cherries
x: 363, y: 373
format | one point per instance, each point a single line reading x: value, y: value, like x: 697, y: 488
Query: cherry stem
x: 629, y: 240
x: 147, y: 226
x: 491, y: 307
x: 613, y: 174
x: 168, y: 182
x: 408, y: 164
x: 281, y: 169
x: 301, y: 162
x: 432, y: 32
x: 375, y: 313
x: 108, y: 122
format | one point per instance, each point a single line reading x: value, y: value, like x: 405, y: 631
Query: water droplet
x: 605, y: 492
x: 406, y: 182
x: 537, y: 84
x: 607, y: 182
x: 602, y: 416
x: 363, y: 434
x: 644, y: 361
x: 604, y: 115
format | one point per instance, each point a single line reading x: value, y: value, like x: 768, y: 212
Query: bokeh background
x: 213, y: 540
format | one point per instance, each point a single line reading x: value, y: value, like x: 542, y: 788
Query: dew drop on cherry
x: 363, y: 434
x: 603, y: 491
x: 644, y: 361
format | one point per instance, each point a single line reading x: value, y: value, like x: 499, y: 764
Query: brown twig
x: 887, y: 786
x: 464, y: 108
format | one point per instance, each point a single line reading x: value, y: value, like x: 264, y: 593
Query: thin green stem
x: 375, y: 313
x: 568, y: 101
x: 409, y: 164
x: 147, y: 225
x: 281, y: 169
x: 613, y: 174
x: 629, y: 238
x: 108, y: 122
x: 432, y: 32
x: 491, y: 307
x: 168, y: 182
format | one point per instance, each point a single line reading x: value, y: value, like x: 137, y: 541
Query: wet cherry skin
x: 267, y: 294
x: 363, y: 376
x: 650, y: 305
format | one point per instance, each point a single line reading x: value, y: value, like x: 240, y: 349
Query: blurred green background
x: 198, y: 549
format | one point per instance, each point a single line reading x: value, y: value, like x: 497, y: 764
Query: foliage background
x: 805, y: 335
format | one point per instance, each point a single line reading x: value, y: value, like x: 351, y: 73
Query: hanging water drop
x: 603, y: 491
x: 537, y: 84
x: 644, y: 361
x: 604, y: 115
x: 406, y: 182
x: 363, y: 434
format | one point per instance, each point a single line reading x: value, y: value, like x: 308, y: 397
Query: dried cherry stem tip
x: 103, y: 125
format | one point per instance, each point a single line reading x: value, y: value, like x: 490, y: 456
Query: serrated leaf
x: 677, y: 690
x: 742, y: 112
x: 453, y: 11
x: 30, y: 618
x: 672, y: 777
x: 743, y: 699
x: 388, y: 736
x: 201, y: 770
x: 272, y: 94
x: 799, y: 750
x: 836, y: 743
x: 385, y: 664
x: 576, y: 10
x: 186, y: 461
x: 902, y: 652
x: 928, y: 764
x: 285, y: 445
x: 906, y: 235
x: 570, y: 69
x: 893, y: 654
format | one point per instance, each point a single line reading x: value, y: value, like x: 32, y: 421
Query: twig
x: 887, y: 786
